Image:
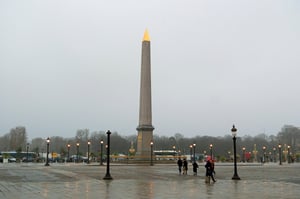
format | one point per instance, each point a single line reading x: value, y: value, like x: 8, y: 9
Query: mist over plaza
x: 69, y: 65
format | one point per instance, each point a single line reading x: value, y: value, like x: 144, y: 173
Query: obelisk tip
x: 146, y: 36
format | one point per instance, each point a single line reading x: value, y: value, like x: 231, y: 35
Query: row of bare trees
x: 16, y: 140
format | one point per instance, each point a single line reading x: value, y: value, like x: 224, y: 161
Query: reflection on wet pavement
x: 144, y: 182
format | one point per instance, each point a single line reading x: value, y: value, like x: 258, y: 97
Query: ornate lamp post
x: 235, y: 175
x: 264, y: 155
x: 68, y: 151
x: 229, y: 155
x: 211, y: 152
x: 27, y: 148
x: 194, y: 147
x: 107, y: 175
x: 77, y: 145
x: 289, y: 155
x: 89, y: 143
x: 244, y: 154
x: 250, y: 155
x: 279, y: 151
x: 151, y: 153
x: 47, y: 156
x: 191, y: 151
x: 174, y: 151
x: 101, y: 153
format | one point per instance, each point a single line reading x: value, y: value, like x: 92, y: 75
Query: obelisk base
x: 145, y: 136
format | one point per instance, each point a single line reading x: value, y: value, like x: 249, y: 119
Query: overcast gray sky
x: 68, y: 65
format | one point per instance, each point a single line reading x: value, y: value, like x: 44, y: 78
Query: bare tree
x: 38, y: 145
x: 4, y: 143
x: 17, y: 138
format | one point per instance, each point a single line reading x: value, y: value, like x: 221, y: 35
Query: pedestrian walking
x: 185, y: 166
x: 195, y: 168
x: 213, y: 170
x: 209, y: 171
x: 179, y: 163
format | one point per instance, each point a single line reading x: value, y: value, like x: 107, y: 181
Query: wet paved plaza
x: 158, y: 181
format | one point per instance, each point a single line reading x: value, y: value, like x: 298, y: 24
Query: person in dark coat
x: 179, y: 163
x: 185, y: 166
x: 210, y: 170
x: 195, y: 168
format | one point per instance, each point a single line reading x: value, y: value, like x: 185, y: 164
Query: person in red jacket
x: 210, y: 169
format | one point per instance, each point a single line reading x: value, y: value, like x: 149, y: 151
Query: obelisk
x: 145, y: 128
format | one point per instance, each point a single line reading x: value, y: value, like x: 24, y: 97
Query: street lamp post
x: 279, y: 151
x: 288, y: 155
x: 174, y: 151
x: 229, y: 155
x: 77, y: 145
x: 211, y: 152
x: 107, y: 175
x: 151, y: 153
x: 194, y: 147
x: 191, y: 151
x: 47, y: 156
x: 101, y: 153
x: 264, y: 155
x: 88, y: 160
x: 244, y: 154
x: 235, y: 175
x: 27, y: 148
x: 68, y: 151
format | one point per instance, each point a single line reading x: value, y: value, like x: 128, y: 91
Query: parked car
x: 30, y: 159
x: 12, y: 159
x: 73, y: 158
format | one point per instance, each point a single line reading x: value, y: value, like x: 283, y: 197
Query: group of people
x: 210, y: 168
x: 182, y: 166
